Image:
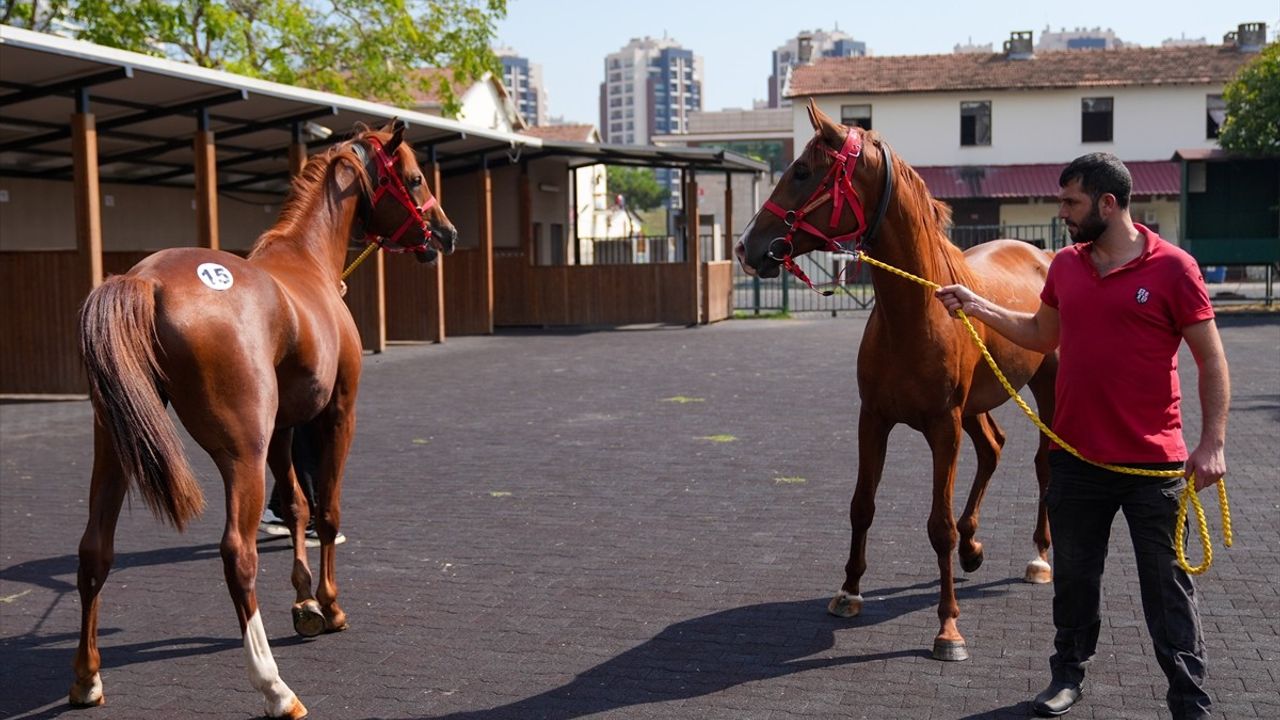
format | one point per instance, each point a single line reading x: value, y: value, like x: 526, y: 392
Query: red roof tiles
x: 1195, y: 65
x: 571, y: 132
x: 959, y: 182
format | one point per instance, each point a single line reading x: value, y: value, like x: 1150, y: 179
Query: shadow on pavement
x: 37, y: 667
x: 714, y: 652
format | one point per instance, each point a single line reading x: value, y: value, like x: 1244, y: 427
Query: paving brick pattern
x: 537, y: 530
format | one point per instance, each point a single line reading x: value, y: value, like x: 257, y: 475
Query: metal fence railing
x: 852, y: 285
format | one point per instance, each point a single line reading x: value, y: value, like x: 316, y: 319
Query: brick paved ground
x: 535, y: 532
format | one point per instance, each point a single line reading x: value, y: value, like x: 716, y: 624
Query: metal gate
x: 852, y: 285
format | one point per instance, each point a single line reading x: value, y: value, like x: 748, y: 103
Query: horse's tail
x: 118, y: 344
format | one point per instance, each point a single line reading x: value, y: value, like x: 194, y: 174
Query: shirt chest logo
x: 1142, y: 296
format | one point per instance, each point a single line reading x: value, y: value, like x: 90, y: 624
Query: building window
x: 975, y: 123
x: 1096, y: 119
x: 856, y: 116
x: 1215, y: 115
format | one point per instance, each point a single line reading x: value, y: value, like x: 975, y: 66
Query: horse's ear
x: 397, y: 136
x: 814, y: 112
x: 822, y: 123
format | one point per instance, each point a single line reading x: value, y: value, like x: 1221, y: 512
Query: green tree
x: 1253, y: 106
x: 361, y: 48
x: 637, y: 186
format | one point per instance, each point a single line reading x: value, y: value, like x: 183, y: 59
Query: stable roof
x: 146, y: 110
x: 581, y: 154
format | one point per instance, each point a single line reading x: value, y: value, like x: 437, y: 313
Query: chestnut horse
x: 916, y: 364
x: 245, y: 350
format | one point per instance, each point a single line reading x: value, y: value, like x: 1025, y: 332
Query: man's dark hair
x: 1100, y: 173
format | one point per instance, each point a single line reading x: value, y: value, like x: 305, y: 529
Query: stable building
x: 107, y: 155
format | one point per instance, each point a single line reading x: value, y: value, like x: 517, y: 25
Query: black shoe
x: 1056, y: 699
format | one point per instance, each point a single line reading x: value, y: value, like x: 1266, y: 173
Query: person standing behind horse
x: 1118, y: 304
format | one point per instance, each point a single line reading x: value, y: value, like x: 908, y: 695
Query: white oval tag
x: 215, y: 276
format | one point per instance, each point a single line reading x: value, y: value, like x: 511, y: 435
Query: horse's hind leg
x: 334, y: 437
x: 308, y: 620
x: 1042, y: 387
x: 97, y: 552
x: 244, y: 473
x: 988, y: 441
x: 873, y: 439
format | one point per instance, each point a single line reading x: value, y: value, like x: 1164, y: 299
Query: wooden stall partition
x: 717, y: 286
x: 411, y: 288
x: 40, y: 353
x: 466, y: 305
x: 365, y: 297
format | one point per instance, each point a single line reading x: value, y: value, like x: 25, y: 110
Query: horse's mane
x: 928, y: 218
x: 308, y: 187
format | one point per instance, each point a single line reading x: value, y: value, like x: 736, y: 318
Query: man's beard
x: 1089, y: 229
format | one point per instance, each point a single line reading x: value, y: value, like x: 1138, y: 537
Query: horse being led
x: 245, y: 350
x: 916, y: 365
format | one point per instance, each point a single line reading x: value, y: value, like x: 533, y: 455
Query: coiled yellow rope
x: 1189, y: 495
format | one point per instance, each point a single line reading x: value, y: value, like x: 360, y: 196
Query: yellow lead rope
x: 356, y: 263
x: 1188, y: 495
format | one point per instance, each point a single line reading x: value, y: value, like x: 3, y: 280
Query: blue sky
x: 736, y: 39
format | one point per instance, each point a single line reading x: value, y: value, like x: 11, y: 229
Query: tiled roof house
x: 990, y: 132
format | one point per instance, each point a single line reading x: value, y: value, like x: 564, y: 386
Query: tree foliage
x: 360, y: 48
x: 1253, y: 106
x: 637, y: 186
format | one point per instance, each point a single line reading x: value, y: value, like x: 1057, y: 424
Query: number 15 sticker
x: 215, y: 276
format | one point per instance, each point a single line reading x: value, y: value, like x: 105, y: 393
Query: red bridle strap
x: 389, y: 183
x: 836, y: 186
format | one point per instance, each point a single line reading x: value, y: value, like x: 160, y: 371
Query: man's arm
x: 1208, y: 461
x: 1036, y: 331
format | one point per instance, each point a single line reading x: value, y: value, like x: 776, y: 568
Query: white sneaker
x: 272, y: 524
x: 313, y: 538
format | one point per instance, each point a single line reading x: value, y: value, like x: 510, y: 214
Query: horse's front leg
x: 308, y: 620
x: 97, y: 551
x: 873, y: 439
x: 943, y: 436
x: 244, y: 474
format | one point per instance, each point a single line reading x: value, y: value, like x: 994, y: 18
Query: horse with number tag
x: 916, y: 365
x: 245, y: 350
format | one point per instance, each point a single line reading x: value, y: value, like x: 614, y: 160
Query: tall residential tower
x: 650, y: 87
x: 523, y: 82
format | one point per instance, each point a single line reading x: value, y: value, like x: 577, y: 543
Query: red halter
x: 836, y: 186
x: 389, y: 183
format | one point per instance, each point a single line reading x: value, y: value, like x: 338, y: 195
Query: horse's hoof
x: 87, y: 694
x: 296, y: 711
x: 845, y: 605
x: 971, y: 563
x: 335, y: 620
x: 308, y: 621
x: 1038, y: 572
x: 950, y: 650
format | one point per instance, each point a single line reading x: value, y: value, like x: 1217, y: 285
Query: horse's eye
x: 800, y: 171
x: 415, y: 181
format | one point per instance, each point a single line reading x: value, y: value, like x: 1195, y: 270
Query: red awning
x: 960, y: 182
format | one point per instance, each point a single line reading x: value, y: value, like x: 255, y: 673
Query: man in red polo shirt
x: 1117, y: 304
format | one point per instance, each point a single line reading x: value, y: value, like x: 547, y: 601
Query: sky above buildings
x: 736, y: 38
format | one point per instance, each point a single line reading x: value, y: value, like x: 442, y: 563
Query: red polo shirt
x: 1118, y: 397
